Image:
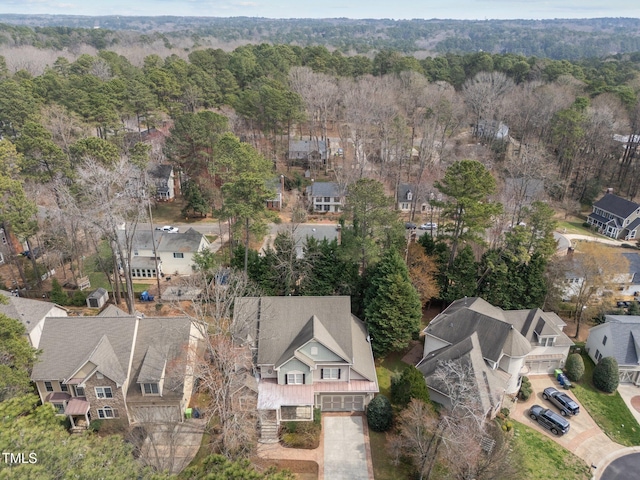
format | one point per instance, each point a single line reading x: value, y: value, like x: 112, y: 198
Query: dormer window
x: 150, y: 389
x: 409, y: 195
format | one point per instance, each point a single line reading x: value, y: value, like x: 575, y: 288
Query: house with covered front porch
x: 616, y: 217
x: 310, y: 353
x: 121, y: 367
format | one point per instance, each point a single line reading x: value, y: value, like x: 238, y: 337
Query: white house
x: 618, y: 337
x: 325, y: 197
x: 500, y: 345
x: 175, y: 252
x: 32, y: 314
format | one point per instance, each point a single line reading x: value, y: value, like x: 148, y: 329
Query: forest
x: 559, y: 39
x: 495, y: 145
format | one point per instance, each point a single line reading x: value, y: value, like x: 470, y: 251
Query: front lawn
x: 608, y: 410
x: 383, y: 466
x: 540, y: 458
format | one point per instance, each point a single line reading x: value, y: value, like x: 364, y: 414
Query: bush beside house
x: 606, y: 375
x: 575, y: 367
x: 379, y: 414
x: 410, y: 384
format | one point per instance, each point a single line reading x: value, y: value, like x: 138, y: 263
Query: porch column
x: 73, y: 425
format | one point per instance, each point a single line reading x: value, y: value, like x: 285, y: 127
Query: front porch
x: 78, y: 412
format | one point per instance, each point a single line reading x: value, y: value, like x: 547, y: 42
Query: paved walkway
x: 344, y: 440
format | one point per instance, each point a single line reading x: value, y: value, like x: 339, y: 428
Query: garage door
x: 342, y: 403
x: 157, y: 414
x: 543, y: 366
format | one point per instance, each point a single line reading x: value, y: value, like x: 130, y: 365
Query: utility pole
x: 153, y: 241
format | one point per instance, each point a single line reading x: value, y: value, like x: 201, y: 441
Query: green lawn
x: 575, y: 226
x: 608, y: 410
x: 541, y: 458
x: 386, y: 368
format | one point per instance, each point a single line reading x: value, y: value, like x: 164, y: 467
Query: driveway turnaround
x: 345, y: 455
x: 623, y: 468
x: 585, y: 439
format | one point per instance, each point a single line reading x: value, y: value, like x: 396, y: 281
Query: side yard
x: 609, y: 411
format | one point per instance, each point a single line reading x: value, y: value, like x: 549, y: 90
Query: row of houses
x: 309, y: 352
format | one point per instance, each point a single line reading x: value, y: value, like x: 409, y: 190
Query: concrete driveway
x: 347, y: 455
x: 584, y: 439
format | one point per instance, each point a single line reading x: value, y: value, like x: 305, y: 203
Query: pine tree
x: 392, y: 305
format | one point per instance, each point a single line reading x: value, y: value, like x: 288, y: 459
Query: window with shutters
x: 330, y: 373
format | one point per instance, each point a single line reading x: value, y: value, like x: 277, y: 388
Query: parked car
x: 168, y: 229
x: 410, y: 226
x: 428, y: 226
x: 550, y: 420
x: 561, y: 400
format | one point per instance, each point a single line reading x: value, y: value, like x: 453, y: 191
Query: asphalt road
x: 623, y: 468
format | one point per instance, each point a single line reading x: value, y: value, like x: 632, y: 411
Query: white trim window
x: 178, y: 255
x: 107, y: 412
x: 295, y: 379
x: 330, y: 373
x: 48, y: 386
x: 59, y: 408
x: 150, y: 389
x: 104, y: 392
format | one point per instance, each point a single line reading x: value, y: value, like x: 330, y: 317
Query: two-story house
x: 308, y: 150
x: 500, y: 345
x: 311, y: 352
x: 129, y: 367
x: 165, y: 182
x: 325, y: 197
x: 31, y: 313
x: 175, y: 252
x: 618, y: 337
x: 615, y: 217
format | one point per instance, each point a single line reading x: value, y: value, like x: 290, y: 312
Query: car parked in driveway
x: 564, y: 402
x: 410, y: 226
x: 557, y: 424
x: 168, y: 229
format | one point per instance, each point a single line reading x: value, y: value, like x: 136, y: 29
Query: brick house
x: 128, y: 367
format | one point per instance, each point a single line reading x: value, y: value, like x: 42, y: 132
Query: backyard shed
x: 97, y: 298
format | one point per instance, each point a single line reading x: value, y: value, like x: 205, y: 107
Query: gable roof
x: 161, y: 348
x: 617, y: 205
x: 185, y: 242
x: 162, y: 171
x: 100, y: 339
x: 324, y: 189
x: 287, y: 323
x: 468, y: 315
x: 624, y: 337
x: 106, y: 361
x: 307, y: 146
x: 489, y: 384
x: 28, y: 311
x: 312, y: 330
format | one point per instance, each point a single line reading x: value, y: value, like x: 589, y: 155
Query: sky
x: 395, y: 9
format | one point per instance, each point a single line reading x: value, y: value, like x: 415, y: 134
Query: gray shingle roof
x: 160, y: 340
x: 625, y: 337
x: 28, y: 311
x: 107, y: 362
x: 617, y: 205
x: 324, y: 189
x: 67, y: 343
x: 161, y: 171
x: 468, y: 315
x: 188, y: 241
x: 489, y: 384
x: 287, y: 323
